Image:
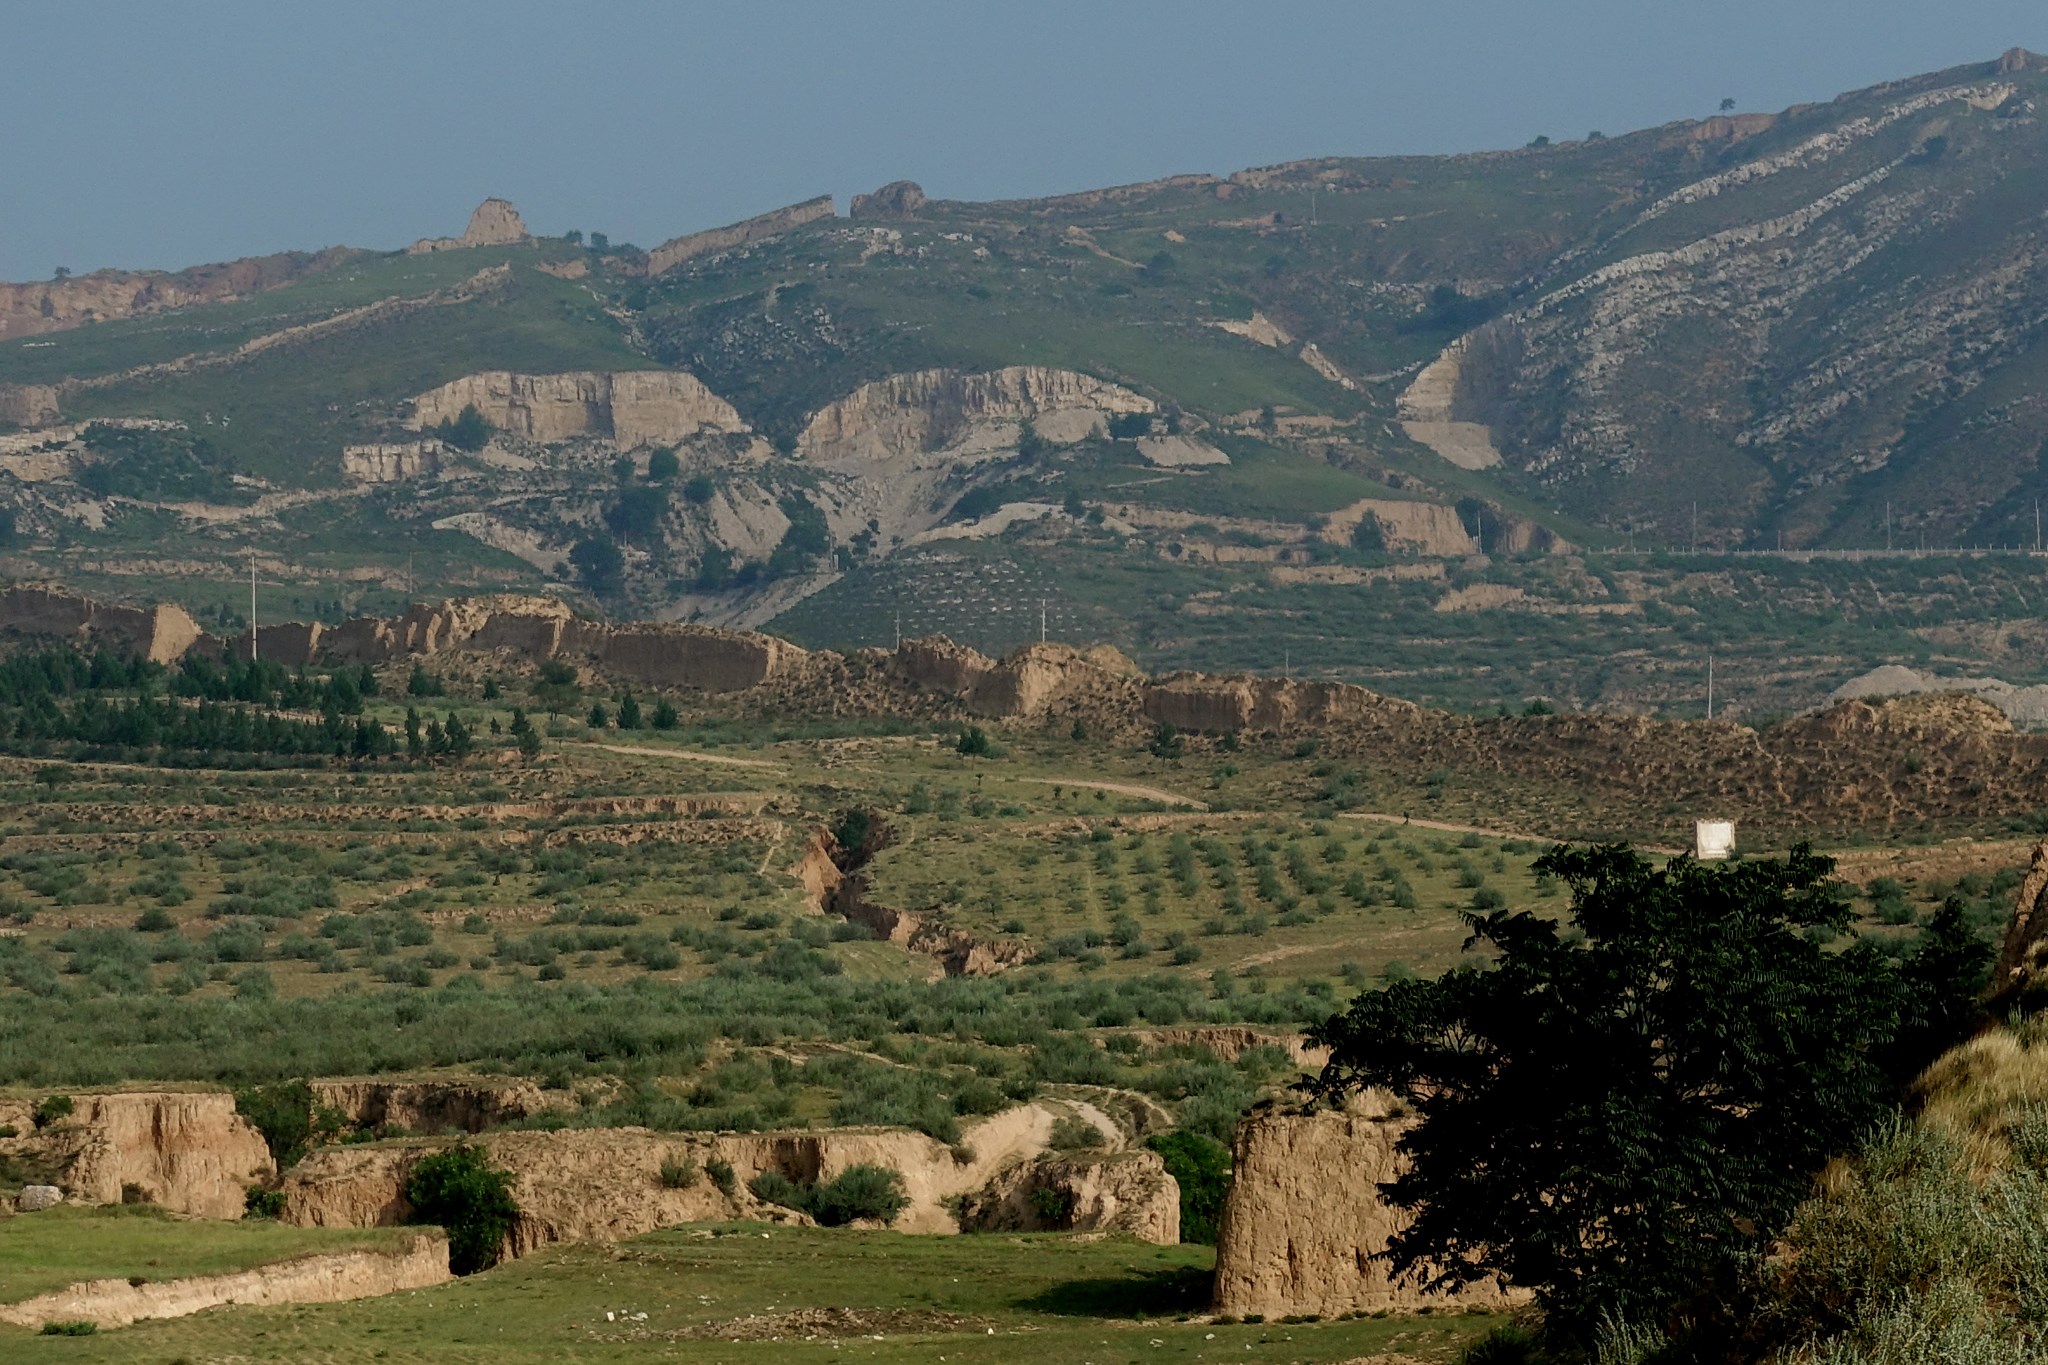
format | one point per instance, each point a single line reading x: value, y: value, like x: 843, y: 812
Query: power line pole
x: 1041, y: 620
x: 252, y: 604
x: 1710, y: 687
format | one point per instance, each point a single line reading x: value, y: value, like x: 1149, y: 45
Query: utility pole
x: 1710, y: 687
x: 252, y: 604
x: 2037, y: 526
x: 1695, y: 526
x: 1041, y: 620
x: 899, y: 629
x: 1887, y: 524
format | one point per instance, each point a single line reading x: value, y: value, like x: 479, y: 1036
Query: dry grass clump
x: 1973, y: 1091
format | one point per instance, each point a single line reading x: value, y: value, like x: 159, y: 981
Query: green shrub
x: 462, y: 1192
x: 52, y: 1108
x: 258, y: 1202
x: 720, y: 1172
x: 678, y: 1172
x: 1201, y: 1167
x: 70, y: 1329
x: 874, y: 1193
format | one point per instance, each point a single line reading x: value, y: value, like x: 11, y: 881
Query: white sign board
x: 1713, y: 839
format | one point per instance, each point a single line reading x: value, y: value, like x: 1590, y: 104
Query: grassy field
x: 63, y: 1245
x: 747, y: 1293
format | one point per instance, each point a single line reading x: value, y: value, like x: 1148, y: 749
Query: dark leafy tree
x: 629, y: 712
x: 467, y: 430
x: 697, y: 490
x: 1620, y: 1113
x: 1201, y: 1167
x: 638, y: 512
x: 599, y: 564
x: 665, y: 717
x: 662, y: 464
x: 461, y: 1191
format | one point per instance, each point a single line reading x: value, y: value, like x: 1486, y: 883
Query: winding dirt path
x: 1158, y: 794
x: 725, y: 760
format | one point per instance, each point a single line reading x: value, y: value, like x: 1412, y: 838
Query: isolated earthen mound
x: 897, y: 199
x: 1304, y: 1224
x: 1127, y: 1192
x: 189, y: 1153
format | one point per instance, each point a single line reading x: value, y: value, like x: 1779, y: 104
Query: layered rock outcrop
x: 932, y: 409
x: 335, y: 1277
x: 494, y: 223
x: 676, y: 250
x: 630, y: 407
x: 1304, y: 1224
x: 190, y: 1153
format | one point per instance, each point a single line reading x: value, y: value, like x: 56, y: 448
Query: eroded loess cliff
x: 186, y: 1152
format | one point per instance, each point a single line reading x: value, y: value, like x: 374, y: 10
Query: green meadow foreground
x: 745, y: 1292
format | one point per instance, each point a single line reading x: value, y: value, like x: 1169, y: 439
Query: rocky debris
x: 2018, y: 59
x: 391, y: 461
x: 161, y: 634
x: 926, y: 410
x: 2022, y: 964
x: 36, y: 1198
x: 676, y: 250
x: 2022, y: 705
x: 1295, y: 1240
x: 329, y: 1278
x: 109, y: 295
x: 629, y: 407
x: 824, y: 1324
x: 467, y: 1105
x: 1122, y: 1192
x: 897, y: 199
x: 1428, y: 413
x: 494, y: 223
x: 186, y: 1152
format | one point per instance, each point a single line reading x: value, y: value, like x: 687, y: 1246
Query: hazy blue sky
x: 161, y: 133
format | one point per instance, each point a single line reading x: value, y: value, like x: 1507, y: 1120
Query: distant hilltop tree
x: 1727, y: 103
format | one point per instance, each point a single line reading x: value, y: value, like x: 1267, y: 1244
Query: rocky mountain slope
x: 1814, y: 328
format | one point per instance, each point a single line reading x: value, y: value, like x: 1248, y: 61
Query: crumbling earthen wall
x: 1304, y: 1223
x: 676, y: 250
